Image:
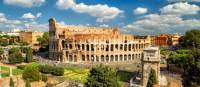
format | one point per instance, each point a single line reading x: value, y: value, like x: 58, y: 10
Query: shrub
x: 32, y: 73
x: 15, y: 57
x: 21, y: 67
x: 29, y: 55
x: 152, y: 78
x: 54, y: 70
x: 45, y: 69
x: 44, y: 77
x: 102, y: 76
x: 11, y: 82
x: 58, y: 71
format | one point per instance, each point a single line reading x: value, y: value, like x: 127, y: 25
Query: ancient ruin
x: 83, y: 44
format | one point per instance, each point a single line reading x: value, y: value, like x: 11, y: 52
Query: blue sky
x: 131, y: 16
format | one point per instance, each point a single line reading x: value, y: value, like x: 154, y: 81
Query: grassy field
x: 77, y: 74
x: 81, y: 74
x: 5, y: 71
x: 71, y: 73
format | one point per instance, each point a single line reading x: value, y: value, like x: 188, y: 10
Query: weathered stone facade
x: 150, y: 60
x: 80, y: 44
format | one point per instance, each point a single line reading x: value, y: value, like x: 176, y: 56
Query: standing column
x: 11, y: 72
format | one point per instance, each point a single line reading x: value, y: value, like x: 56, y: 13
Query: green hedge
x: 44, y: 77
x: 54, y: 70
x: 31, y: 73
x: 21, y: 67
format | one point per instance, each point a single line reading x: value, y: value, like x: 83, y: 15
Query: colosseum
x: 83, y: 44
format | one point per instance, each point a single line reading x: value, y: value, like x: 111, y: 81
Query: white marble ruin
x: 11, y: 72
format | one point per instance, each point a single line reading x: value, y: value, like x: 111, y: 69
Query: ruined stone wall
x: 79, y: 44
x: 150, y: 60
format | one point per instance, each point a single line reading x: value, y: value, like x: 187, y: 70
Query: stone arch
x: 125, y: 47
x: 70, y: 46
x: 70, y: 58
x: 121, y: 58
x: 125, y: 57
x: 83, y: 47
x: 83, y: 57
x: 121, y: 46
x: 88, y: 47
x: 136, y: 56
x: 129, y: 57
x: 107, y: 58
x: 102, y: 58
x: 133, y: 56
x: 92, y: 57
x: 129, y: 47
x: 88, y: 57
x: 112, y: 47
x: 75, y: 58
x: 97, y: 58
x: 79, y: 47
x: 116, y: 57
x: 111, y: 58
x: 116, y: 46
x: 63, y: 44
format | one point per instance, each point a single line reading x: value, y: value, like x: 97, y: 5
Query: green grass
x: 35, y: 64
x: 6, y: 70
x: 81, y: 74
x: 77, y: 74
x: 124, y: 76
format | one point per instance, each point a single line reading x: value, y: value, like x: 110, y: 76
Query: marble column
x: 11, y: 72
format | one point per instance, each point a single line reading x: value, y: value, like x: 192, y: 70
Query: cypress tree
x: 152, y: 78
x: 11, y: 82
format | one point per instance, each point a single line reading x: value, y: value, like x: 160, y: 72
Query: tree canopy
x: 1, y: 51
x: 191, y: 77
x: 44, y: 40
x: 31, y: 73
x: 102, y: 76
x: 29, y: 55
x: 152, y: 78
x: 180, y: 57
x: 11, y: 82
x: 15, y: 57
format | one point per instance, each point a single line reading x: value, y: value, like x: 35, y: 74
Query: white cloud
x: 154, y: 23
x: 28, y: 16
x: 140, y: 10
x: 38, y: 14
x: 62, y: 23
x: 25, y: 3
x: 31, y: 16
x: 99, y: 11
x: 169, y: 20
x: 183, y: 0
x: 8, y: 24
x: 180, y: 8
x: 104, y: 25
x: 4, y: 20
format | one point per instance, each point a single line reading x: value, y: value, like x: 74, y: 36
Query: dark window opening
x: 112, y: 47
x: 88, y: 47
